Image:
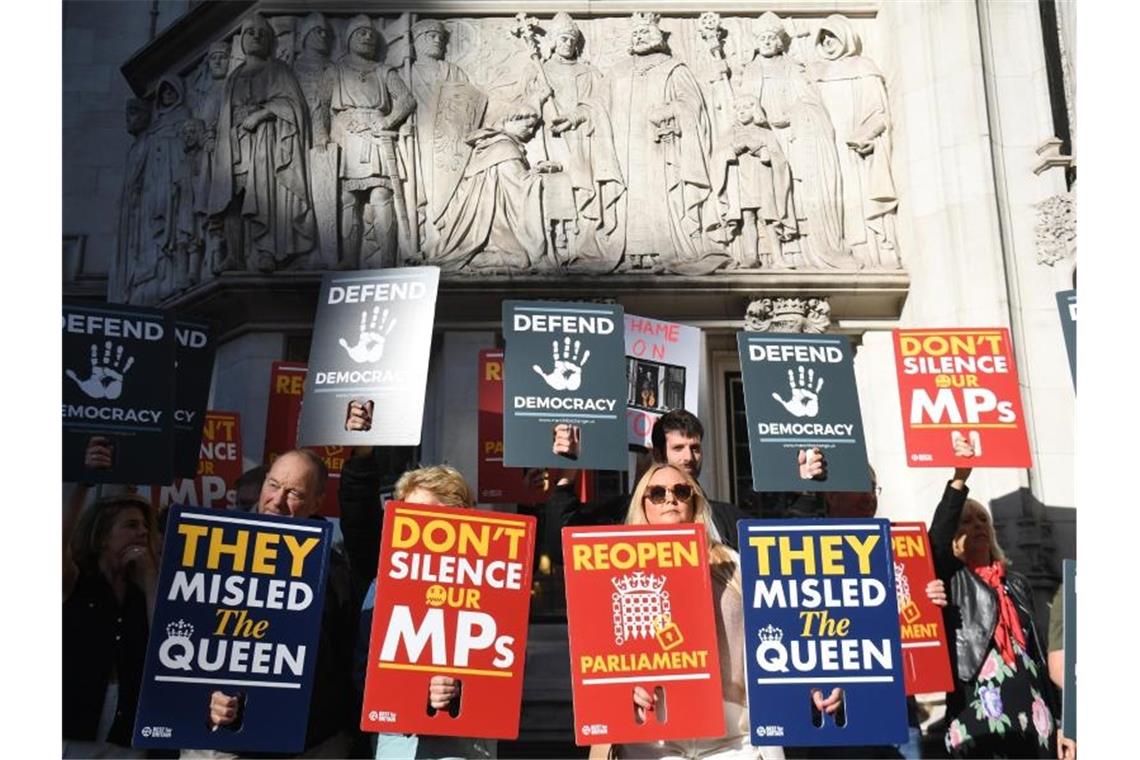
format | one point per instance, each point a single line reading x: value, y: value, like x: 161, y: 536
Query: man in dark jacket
x: 676, y: 439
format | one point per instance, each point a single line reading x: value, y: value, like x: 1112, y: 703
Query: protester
x: 1001, y: 704
x: 109, y: 581
x: 666, y: 495
x: 676, y: 437
x: 247, y: 489
x: 444, y: 486
x: 293, y: 487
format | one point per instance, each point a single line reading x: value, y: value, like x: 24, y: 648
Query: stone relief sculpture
x: 854, y: 93
x: 804, y: 130
x: 201, y: 135
x: 361, y: 106
x: 755, y: 188
x: 725, y: 150
x: 168, y: 196
x: 132, y: 272
x: 788, y: 314
x: 663, y: 139
x: 448, y: 107
x: 576, y: 133
x: 496, y: 219
x: 259, y: 181
x: 315, y: 40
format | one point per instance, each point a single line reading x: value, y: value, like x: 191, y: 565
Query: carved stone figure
x: 496, y: 219
x: 132, y: 274
x: 168, y: 198
x: 755, y: 187
x: 854, y: 93
x: 448, y: 107
x: 258, y: 180
x: 201, y: 135
x: 576, y: 133
x: 663, y: 140
x: 360, y: 107
x: 804, y: 130
x: 315, y: 40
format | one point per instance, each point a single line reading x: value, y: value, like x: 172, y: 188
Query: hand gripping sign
x: 118, y: 385
x: 820, y: 613
x: 640, y: 613
x: 926, y: 660
x: 564, y: 368
x: 238, y: 615
x: 800, y: 393
x: 371, y: 344
x: 452, y: 599
x: 960, y: 383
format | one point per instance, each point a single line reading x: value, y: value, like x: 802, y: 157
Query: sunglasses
x: 656, y: 494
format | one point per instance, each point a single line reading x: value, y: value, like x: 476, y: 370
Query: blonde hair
x: 444, y: 481
x: 722, y: 565
x: 996, y: 552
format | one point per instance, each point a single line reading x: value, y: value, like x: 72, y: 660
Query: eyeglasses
x: 681, y: 491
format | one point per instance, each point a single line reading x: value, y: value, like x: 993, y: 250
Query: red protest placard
x: 498, y: 484
x: 452, y: 599
x: 640, y: 613
x: 219, y: 467
x: 960, y: 382
x: 286, y: 388
x: 926, y: 659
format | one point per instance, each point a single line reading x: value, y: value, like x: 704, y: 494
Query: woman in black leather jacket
x: 1001, y: 703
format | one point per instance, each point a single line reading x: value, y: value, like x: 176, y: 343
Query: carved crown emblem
x: 645, y: 18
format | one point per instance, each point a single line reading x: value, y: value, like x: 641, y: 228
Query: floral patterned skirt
x: 1005, y: 714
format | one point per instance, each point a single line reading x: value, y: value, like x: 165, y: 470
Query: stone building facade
x: 846, y: 166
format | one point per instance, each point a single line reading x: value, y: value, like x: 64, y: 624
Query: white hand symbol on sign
x: 567, y: 372
x: 804, y: 401
x: 106, y: 380
x: 370, y: 345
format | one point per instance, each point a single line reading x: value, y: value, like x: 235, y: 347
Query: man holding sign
x: 293, y: 488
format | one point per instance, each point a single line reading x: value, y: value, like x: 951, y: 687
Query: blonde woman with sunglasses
x: 667, y: 495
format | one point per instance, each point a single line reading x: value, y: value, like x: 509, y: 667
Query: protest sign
x: 663, y: 368
x: 118, y: 385
x: 640, y: 613
x: 239, y: 612
x: 960, y: 383
x: 286, y: 390
x: 194, y: 356
x: 564, y: 366
x: 452, y: 599
x: 1067, y: 306
x: 820, y: 411
x: 498, y: 484
x: 820, y: 613
x: 371, y: 344
x: 219, y: 467
x: 1069, y: 616
x: 926, y: 659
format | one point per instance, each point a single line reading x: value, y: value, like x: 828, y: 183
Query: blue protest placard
x: 800, y: 394
x: 564, y: 371
x: 820, y: 612
x: 238, y: 612
x: 1069, y: 612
